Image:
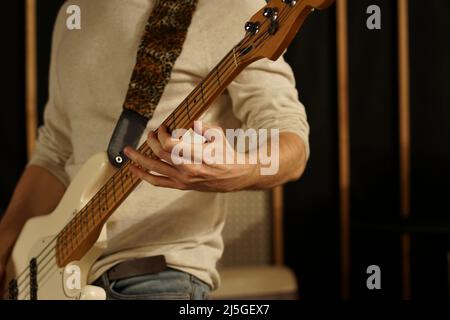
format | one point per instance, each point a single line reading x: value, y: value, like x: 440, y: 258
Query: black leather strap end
x: 128, y: 132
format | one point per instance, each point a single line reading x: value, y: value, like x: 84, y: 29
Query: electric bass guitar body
x: 36, y: 241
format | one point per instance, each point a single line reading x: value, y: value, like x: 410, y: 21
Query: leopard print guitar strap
x: 161, y: 45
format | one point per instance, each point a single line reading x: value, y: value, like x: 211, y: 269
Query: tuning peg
x: 270, y: 13
x: 273, y: 28
x: 252, y: 27
x: 290, y: 2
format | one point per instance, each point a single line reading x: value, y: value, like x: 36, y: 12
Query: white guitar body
x: 54, y: 282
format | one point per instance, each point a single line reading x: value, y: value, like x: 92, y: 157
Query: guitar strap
x: 160, y: 47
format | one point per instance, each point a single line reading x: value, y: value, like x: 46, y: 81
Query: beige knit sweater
x: 89, y: 74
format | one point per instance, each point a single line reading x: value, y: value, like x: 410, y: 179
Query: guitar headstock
x: 271, y: 30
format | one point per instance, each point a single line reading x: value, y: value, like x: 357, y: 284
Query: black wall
x: 46, y: 15
x: 12, y: 111
x: 312, y: 204
x: 430, y: 58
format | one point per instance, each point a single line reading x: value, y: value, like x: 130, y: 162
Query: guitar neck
x: 82, y: 231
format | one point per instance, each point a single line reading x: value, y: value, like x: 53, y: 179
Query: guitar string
x: 197, y: 92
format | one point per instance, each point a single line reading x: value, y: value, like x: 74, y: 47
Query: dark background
x: 312, y: 229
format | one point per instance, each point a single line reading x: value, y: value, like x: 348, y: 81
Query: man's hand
x: 191, y: 171
x: 171, y: 168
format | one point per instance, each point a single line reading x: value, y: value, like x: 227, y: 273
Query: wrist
x: 252, y: 175
x: 7, y: 240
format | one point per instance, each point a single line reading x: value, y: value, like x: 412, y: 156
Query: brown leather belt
x: 137, y: 267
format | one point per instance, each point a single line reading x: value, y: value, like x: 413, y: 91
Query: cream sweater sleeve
x: 53, y: 145
x: 264, y: 95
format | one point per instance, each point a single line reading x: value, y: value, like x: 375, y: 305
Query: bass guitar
x: 53, y: 255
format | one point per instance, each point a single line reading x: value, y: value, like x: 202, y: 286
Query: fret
x: 70, y: 229
x: 174, y: 123
x: 189, y: 113
x: 73, y: 231
x: 206, y: 90
x: 100, y: 205
x: 201, y: 89
x: 83, y: 225
x: 69, y: 239
x: 121, y: 181
x: 69, y: 226
x: 85, y: 218
x: 105, y: 198
x: 105, y: 193
x: 93, y: 210
x: 234, y: 57
x: 114, y: 188
x: 195, y: 95
x: 63, y: 237
x: 127, y: 175
x: 76, y: 223
x: 217, y: 75
x: 79, y: 223
x: 66, y: 237
x: 188, y: 110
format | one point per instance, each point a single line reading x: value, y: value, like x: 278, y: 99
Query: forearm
x: 291, y: 163
x: 37, y: 193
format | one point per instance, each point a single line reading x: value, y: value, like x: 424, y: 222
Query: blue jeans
x: 169, y: 284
